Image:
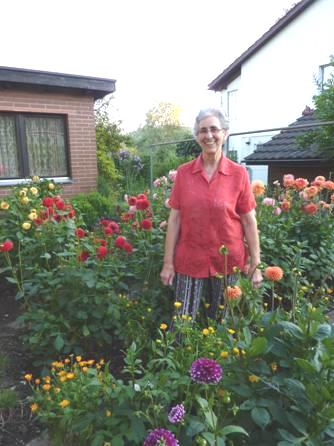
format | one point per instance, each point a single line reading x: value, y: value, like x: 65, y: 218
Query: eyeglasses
x: 212, y: 130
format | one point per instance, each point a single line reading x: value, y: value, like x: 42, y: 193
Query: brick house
x: 47, y: 128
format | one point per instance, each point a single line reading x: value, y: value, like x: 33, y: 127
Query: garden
x: 114, y: 363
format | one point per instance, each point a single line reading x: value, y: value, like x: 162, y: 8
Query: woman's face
x: 210, y: 135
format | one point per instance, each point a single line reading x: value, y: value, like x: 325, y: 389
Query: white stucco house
x: 269, y: 85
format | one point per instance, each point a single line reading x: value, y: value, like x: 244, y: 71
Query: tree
x: 323, y: 137
x: 164, y: 114
x: 109, y: 141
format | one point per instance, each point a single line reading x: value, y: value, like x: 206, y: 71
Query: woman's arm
x: 249, y: 224
x: 173, y: 229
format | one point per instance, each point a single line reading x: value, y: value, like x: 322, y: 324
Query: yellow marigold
x: 258, y: 187
x: 78, y: 358
x: 47, y: 379
x: 231, y: 331
x: 101, y: 361
x: 63, y: 379
x: 70, y: 375
x: 85, y: 369
x: 91, y: 362
x: 205, y: 331
x: 23, y: 192
x: 46, y: 387
x: 82, y: 363
x: 34, y: 407
x: 206, y: 305
x: 184, y: 317
x: 211, y: 329
x: 64, y: 403
x: 108, y: 413
x: 34, y: 190
x: 233, y: 292
x: 26, y: 225
x: 236, y: 351
x: 51, y: 186
x: 163, y: 326
x: 274, y: 273
x: 224, y: 354
x: 177, y: 304
x: 4, y: 205
x: 253, y: 378
x: 28, y: 377
x: 35, y: 178
x: 221, y: 307
x: 273, y: 366
x: 190, y: 318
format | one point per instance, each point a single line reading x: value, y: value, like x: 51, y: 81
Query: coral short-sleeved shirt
x: 210, y: 217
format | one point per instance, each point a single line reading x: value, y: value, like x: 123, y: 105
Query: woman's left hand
x: 256, y: 277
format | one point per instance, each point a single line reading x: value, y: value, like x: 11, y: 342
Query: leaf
x: 258, y: 346
x: 194, y: 426
x: 292, y: 329
x: 306, y: 365
x: 247, y: 336
x: 211, y: 419
x: 210, y: 438
x: 248, y: 405
x: 85, y: 330
x: 288, y: 437
x: 323, y: 331
x: 202, y: 402
x: 261, y: 417
x: 59, y: 343
x: 233, y: 429
x: 117, y: 440
x: 297, y: 422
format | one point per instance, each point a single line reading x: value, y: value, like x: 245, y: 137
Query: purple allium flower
x: 160, y: 437
x: 176, y: 414
x: 206, y: 371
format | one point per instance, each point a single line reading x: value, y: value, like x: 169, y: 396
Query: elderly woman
x: 212, y: 206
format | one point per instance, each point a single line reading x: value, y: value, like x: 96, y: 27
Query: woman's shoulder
x: 187, y: 166
x: 233, y: 167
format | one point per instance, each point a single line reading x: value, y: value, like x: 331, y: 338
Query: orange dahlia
x: 233, y: 292
x: 258, y: 187
x: 274, y: 273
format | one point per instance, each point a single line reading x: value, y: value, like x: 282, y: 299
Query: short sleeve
x: 246, y: 200
x: 174, y: 199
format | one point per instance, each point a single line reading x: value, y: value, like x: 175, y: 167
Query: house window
x: 232, y: 105
x: 32, y: 144
x: 326, y: 72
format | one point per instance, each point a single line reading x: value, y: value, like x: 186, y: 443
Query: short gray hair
x: 205, y: 113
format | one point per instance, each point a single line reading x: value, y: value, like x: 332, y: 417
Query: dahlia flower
x: 274, y: 273
x: 206, y: 371
x: 159, y: 437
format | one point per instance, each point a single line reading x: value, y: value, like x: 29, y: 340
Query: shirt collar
x: 223, y: 166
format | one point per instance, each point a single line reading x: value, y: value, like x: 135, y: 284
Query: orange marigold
x: 273, y: 273
x: 258, y: 187
x: 233, y: 292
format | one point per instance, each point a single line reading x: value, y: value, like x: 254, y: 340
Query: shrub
x: 92, y: 207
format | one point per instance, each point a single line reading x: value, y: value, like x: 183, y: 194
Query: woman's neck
x: 211, y: 161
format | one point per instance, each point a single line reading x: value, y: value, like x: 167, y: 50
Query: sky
x: 155, y: 50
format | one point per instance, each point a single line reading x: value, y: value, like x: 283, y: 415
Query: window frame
x: 22, y: 150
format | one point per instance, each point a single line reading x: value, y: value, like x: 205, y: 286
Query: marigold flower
x: 274, y: 273
x: 28, y: 377
x: 4, y: 205
x: 258, y: 187
x: 6, y: 246
x: 177, y: 304
x: 206, y: 371
x: 64, y: 403
x: 70, y: 375
x: 163, y: 326
x: 46, y: 387
x: 288, y: 180
x: 205, y: 332
x: 231, y: 331
x: 34, y: 190
x: 26, y: 225
x: 253, y: 378
x: 32, y: 216
x: 224, y: 354
x: 108, y: 413
x: 25, y: 200
x: 236, y: 351
x: 78, y: 358
x: 34, y: 407
x: 301, y: 183
x: 233, y: 292
x: 51, y: 186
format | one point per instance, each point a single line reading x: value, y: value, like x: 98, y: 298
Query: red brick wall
x: 81, y: 131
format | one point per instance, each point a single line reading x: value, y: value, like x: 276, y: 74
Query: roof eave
x: 226, y: 77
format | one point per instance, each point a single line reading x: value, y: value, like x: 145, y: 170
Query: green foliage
x: 164, y: 114
x: 323, y: 137
x: 93, y: 206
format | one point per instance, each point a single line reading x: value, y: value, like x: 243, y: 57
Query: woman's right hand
x: 167, y: 274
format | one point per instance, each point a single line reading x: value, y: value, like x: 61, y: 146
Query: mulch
x: 17, y: 426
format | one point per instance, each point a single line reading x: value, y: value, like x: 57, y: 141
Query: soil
x: 17, y: 426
